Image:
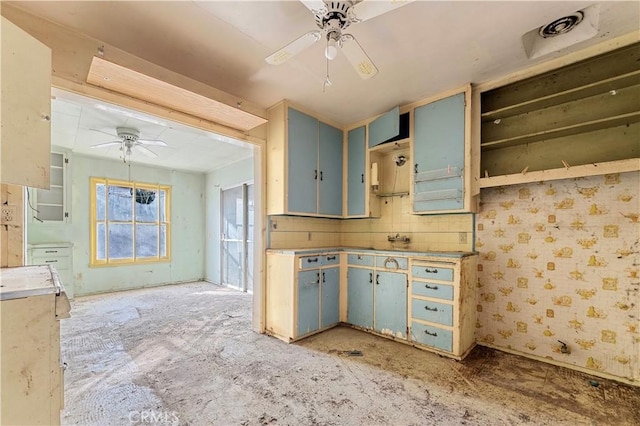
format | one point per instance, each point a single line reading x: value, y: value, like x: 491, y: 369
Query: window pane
x: 120, y: 241
x: 101, y: 201
x: 163, y: 240
x: 146, y: 240
x: 163, y: 197
x: 146, y: 205
x: 120, y: 204
x: 101, y: 241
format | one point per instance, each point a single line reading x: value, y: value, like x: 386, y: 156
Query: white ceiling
x: 77, y: 123
x: 421, y: 49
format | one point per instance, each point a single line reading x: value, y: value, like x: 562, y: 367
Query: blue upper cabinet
x: 439, y: 149
x: 385, y: 127
x: 330, y: 171
x: 302, y: 163
x: 356, y: 187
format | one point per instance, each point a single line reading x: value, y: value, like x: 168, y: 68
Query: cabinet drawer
x: 50, y: 252
x: 393, y: 263
x: 433, y: 272
x: 432, y: 336
x: 360, y: 259
x: 428, y: 289
x: 58, y: 262
x: 432, y: 311
x: 315, y: 261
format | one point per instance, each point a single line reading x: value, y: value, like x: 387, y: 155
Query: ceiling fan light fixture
x: 331, y: 51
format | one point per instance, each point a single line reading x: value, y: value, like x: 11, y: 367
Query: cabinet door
x: 26, y: 108
x: 308, y: 302
x: 391, y: 303
x: 384, y: 127
x: 330, y: 298
x: 360, y: 297
x: 356, y: 145
x: 330, y: 171
x: 439, y: 155
x: 302, y: 163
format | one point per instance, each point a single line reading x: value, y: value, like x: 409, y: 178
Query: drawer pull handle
x: 359, y: 257
x: 393, y: 262
x: 431, y: 334
x: 435, y: 287
x: 431, y: 271
x: 431, y: 309
x: 331, y: 258
x: 51, y: 251
x: 315, y: 259
x: 51, y: 261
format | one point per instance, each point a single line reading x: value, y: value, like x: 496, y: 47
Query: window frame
x: 93, y: 223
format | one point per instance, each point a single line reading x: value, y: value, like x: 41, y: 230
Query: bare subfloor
x: 186, y: 355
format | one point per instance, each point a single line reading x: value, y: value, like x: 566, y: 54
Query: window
x: 130, y: 222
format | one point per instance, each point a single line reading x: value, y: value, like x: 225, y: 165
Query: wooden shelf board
x: 614, y: 83
x: 620, y: 166
x: 588, y: 126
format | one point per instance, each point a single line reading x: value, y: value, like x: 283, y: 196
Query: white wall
x: 232, y: 175
x: 187, y: 236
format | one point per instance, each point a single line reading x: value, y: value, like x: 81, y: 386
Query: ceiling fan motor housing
x: 334, y: 17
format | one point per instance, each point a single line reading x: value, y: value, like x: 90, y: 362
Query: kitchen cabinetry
x: 442, y: 304
x: 26, y: 108
x: 356, y: 169
x: 304, y: 164
x: 32, y: 303
x: 51, y: 204
x: 578, y: 120
x: 303, y: 293
x: 440, y: 155
x: 377, y: 293
x: 58, y: 255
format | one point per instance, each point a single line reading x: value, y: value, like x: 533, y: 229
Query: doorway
x: 237, y: 228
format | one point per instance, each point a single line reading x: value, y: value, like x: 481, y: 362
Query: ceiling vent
x: 562, y: 32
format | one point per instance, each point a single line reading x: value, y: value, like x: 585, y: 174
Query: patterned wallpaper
x: 559, y: 261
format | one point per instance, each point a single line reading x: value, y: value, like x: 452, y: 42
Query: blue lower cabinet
x: 330, y: 298
x: 390, y: 290
x: 427, y: 310
x: 308, y: 298
x: 360, y: 297
x: 432, y: 336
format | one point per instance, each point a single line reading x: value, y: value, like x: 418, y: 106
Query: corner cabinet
x: 304, y: 164
x: 441, y: 175
x: 303, y: 293
x: 26, y: 108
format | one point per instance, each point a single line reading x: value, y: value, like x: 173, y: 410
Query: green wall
x: 187, y: 236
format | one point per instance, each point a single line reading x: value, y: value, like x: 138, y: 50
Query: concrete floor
x: 185, y: 355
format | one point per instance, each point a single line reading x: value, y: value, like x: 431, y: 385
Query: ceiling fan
x: 130, y: 140
x: 333, y: 17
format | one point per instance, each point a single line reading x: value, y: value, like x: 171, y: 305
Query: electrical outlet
x: 8, y: 214
x: 462, y: 237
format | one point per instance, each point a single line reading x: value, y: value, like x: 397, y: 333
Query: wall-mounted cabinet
x: 51, y: 204
x: 441, y: 173
x: 356, y: 172
x: 26, y: 108
x: 389, y: 127
x: 579, y: 120
x: 304, y: 164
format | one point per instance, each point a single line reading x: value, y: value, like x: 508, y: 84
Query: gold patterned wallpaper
x: 559, y: 262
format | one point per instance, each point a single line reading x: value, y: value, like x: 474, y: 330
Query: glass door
x: 236, y: 247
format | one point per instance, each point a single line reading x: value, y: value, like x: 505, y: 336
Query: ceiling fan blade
x: 106, y: 144
x: 146, y: 151
x: 368, y: 9
x: 357, y: 57
x: 155, y: 142
x: 315, y: 6
x: 294, y: 48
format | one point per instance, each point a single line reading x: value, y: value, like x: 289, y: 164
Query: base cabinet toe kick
x: 426, y: 300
